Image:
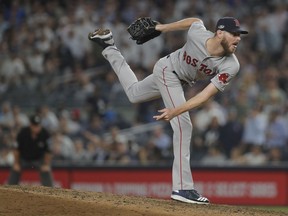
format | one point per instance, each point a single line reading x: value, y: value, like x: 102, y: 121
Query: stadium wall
x: 235, y: 186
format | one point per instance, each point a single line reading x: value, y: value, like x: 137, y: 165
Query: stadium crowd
x: 48, y: 66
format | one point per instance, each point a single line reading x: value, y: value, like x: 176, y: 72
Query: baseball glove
x: 143, y: 30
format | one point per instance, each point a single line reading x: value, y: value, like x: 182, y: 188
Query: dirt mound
x: 28, y: 200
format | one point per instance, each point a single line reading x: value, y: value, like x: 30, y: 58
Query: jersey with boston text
x: 192, y: 62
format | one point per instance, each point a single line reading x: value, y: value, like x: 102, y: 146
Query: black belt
x: 183, y: 82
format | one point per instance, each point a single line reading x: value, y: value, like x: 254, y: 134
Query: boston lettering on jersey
x: 195, y: 63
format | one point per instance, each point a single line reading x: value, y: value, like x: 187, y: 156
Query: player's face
x: 35, y: 129
x: 230, y: 42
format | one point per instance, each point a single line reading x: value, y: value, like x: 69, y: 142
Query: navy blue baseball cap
x: 230, y: 24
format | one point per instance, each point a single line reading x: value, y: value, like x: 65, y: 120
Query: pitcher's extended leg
x: 136, y: 91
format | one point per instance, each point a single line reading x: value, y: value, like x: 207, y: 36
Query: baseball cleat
x: 189, y: 196
x: 103, y: 37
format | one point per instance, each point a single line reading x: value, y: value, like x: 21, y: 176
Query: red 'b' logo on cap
x: 237, y: 23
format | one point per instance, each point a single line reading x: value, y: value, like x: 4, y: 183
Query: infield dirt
x: 43, y: 201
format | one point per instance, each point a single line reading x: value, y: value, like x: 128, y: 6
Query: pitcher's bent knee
x: 133, y: 99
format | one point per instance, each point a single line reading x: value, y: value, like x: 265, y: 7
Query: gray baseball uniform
x: 190, y: 63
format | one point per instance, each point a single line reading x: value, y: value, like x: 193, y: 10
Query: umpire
x: 32, y: 150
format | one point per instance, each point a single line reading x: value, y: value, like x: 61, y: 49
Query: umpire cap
x: 35, y: 119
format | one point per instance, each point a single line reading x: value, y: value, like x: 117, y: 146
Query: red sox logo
x: 237, y: 23
x: 223, y: 77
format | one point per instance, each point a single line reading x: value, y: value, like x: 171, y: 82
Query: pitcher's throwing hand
x: 167, y: 114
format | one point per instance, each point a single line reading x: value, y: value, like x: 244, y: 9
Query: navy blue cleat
x: 189, y: 196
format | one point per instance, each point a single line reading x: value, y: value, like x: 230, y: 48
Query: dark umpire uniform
x: 32, y: 150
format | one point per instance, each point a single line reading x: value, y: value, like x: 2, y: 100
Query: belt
x: 183, y: 82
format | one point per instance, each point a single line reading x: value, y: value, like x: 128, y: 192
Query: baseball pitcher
x: 205, y: 55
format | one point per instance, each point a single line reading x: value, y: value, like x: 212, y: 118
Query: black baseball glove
x: 143, y: 30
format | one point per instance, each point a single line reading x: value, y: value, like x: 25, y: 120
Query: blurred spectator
x: 273, y: 96
x: 96, y: 104
x: 96, y: 147
x: 67, y: 125
x: 230, y: 134
x: 204, y: 117
x: 269, y: 28
x: 85, y: 87
x: 275, y: 156
x: 255, y: 127
x: 6, y: 157
x: 4, y: 25
x: 95, y: 125
x: 162, y: 141
x: 35, y: 62
x: 3, y: 85
x: 118, y: 147
x: 57, y: 155
x: 236, y: 157
x: 149, y: 154
x: 118, y: 153
x: 13, y: 69
x: 91, y: 152
x: 72, y: 40
x: 250, y: 85
x: 241, y: 105
x: 20, y: 118
x: 255, y: 156
x: 199, y: 150
x: 276, y: 132
x: 212, y: 133
x: 63, y: 145
x: 80, y: 153
x: 214, y: 157
x: 49, y: 118
x: 114, y: 136
x: 6, y: 115
x: 143, y: 157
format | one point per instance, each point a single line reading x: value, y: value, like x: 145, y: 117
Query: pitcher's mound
x: 35, y: 201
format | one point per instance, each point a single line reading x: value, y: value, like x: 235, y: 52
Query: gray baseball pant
x: 161, y: 83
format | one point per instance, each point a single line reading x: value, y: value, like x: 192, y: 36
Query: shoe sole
x: 182, y: 199
x: 102, y: 37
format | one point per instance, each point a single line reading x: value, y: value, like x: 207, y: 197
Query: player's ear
x: 219, y: 34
